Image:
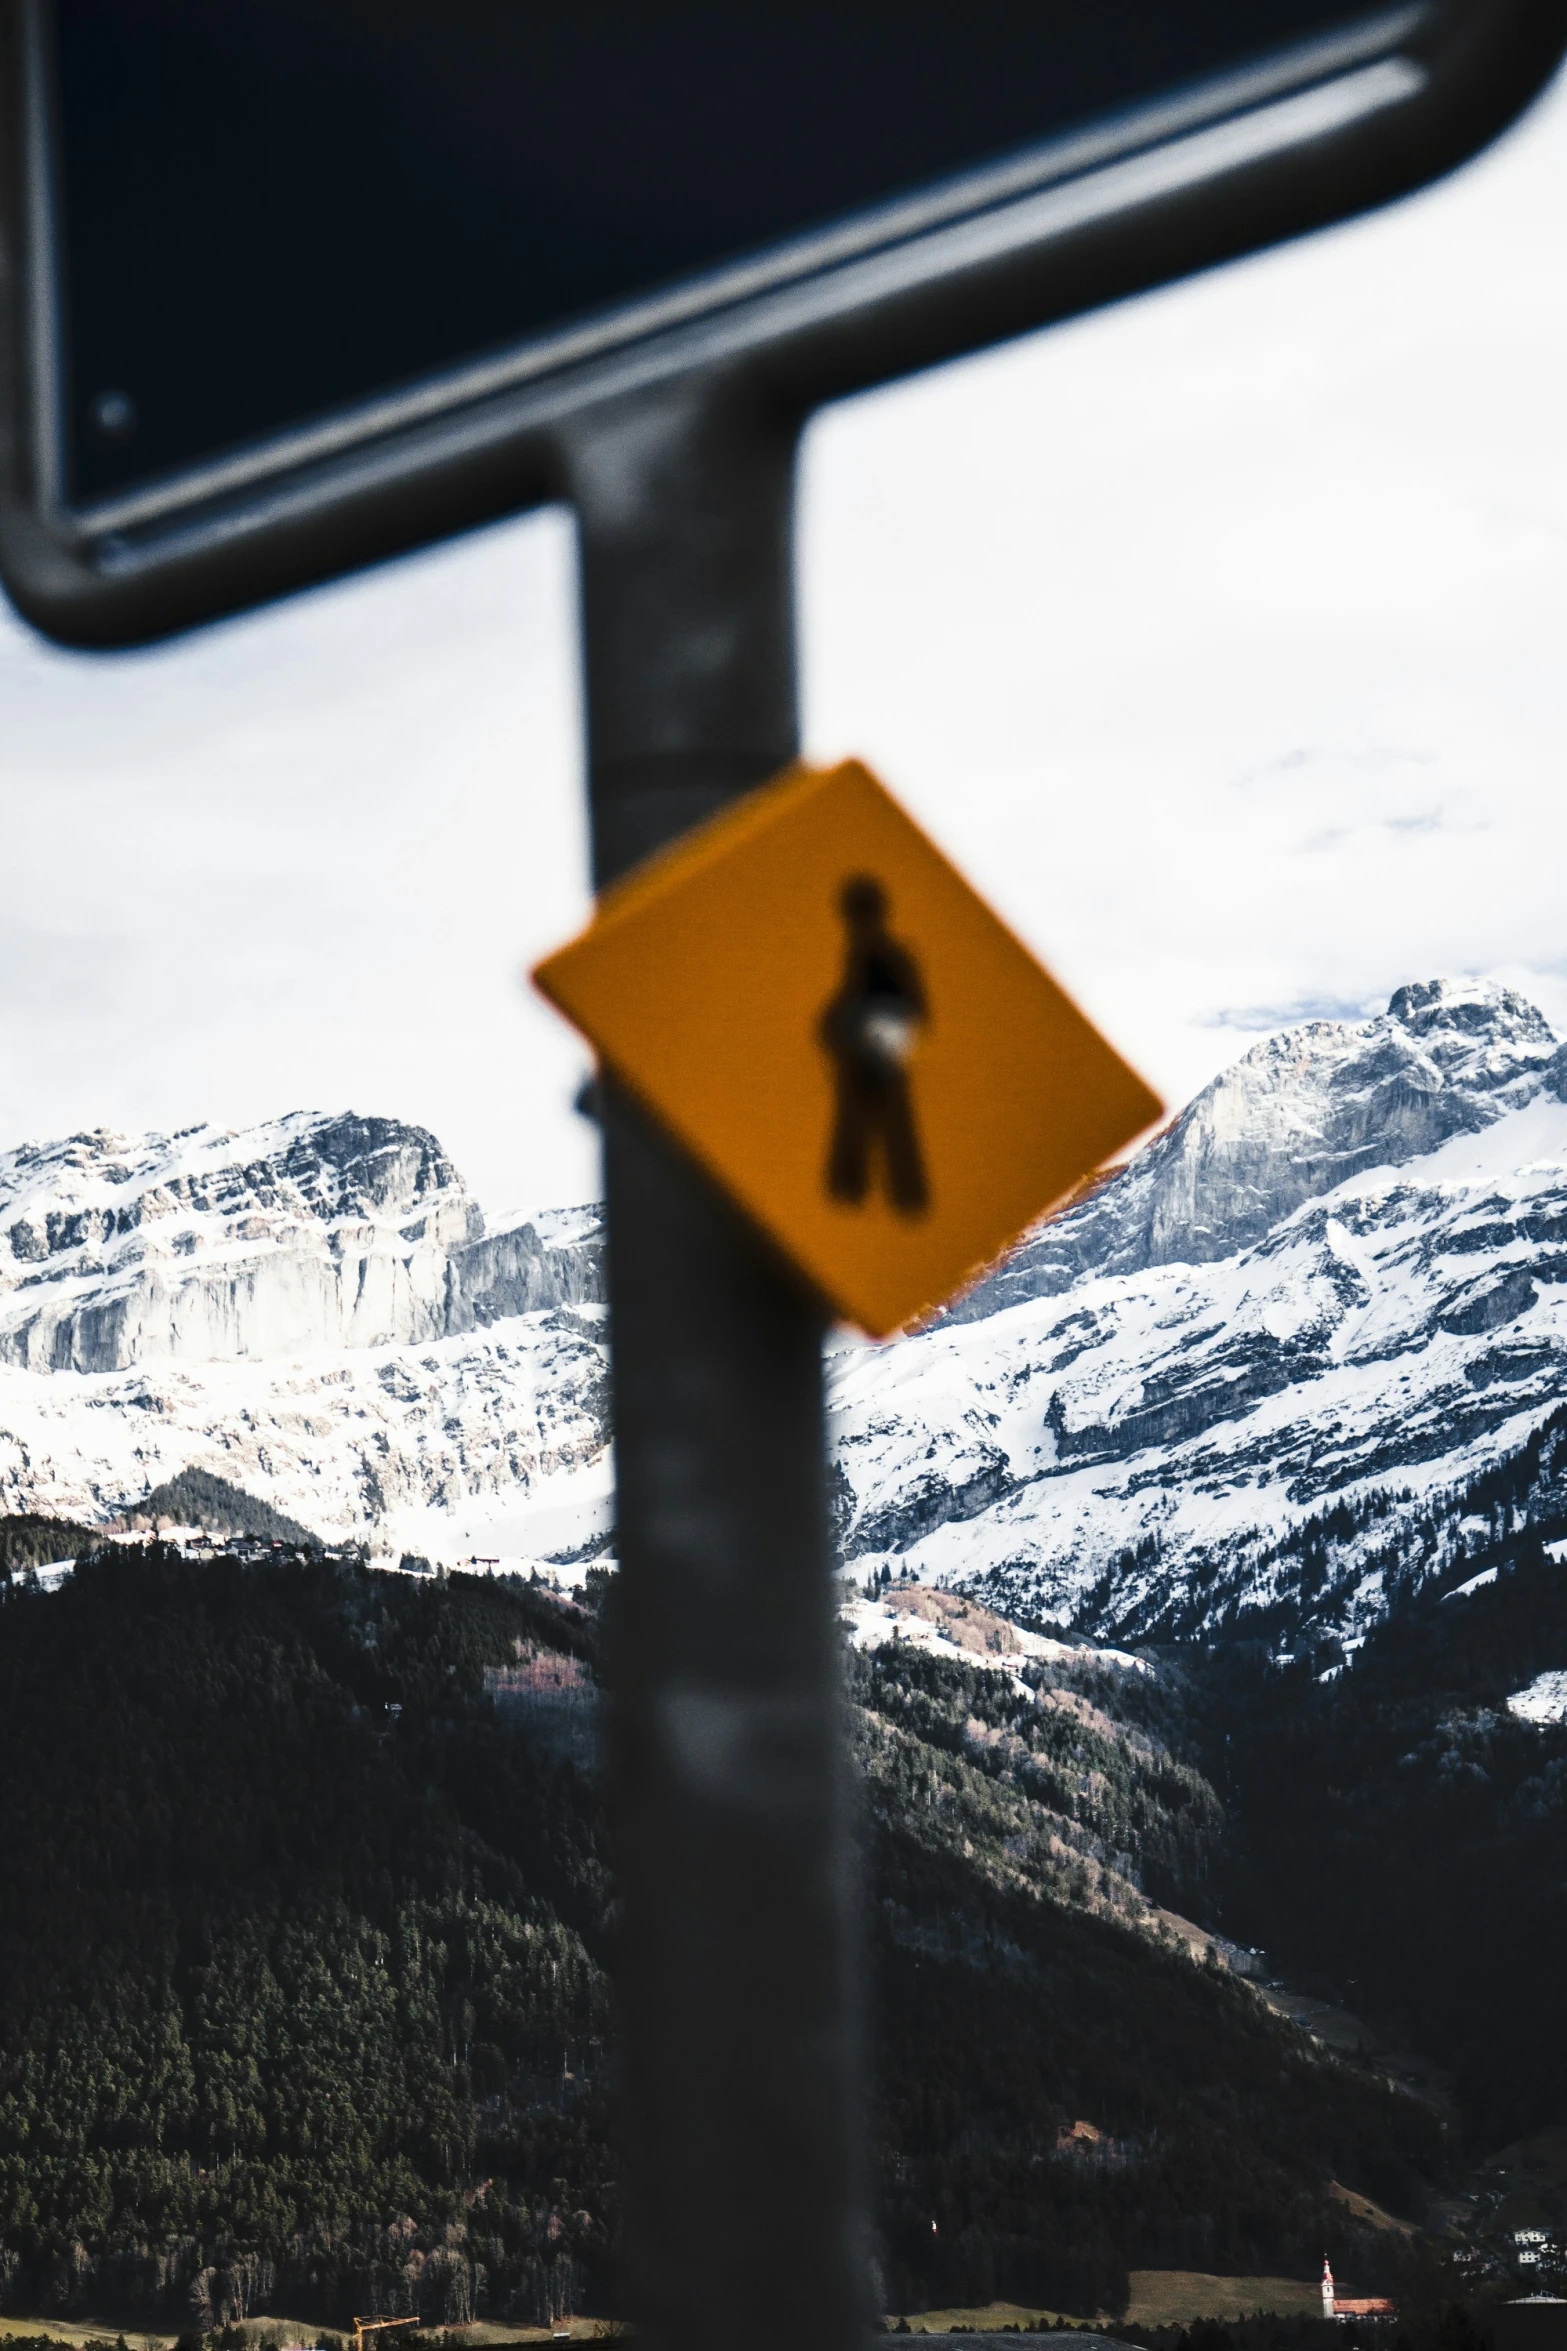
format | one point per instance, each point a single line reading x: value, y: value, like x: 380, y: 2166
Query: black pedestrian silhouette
x: 871, y: 1028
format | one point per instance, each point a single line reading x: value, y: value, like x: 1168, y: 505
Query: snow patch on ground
x: 1544, y: 1701
x: 1476, y: 1583
x: 948, y: 1625
x: 560, y: 1527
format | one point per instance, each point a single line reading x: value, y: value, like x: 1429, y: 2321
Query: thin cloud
x: 1264, y: 1019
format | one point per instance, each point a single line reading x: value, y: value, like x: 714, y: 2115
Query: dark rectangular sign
x: 283, y: 264
x: 278, y: 208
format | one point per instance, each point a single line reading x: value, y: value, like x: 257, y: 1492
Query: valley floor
x: 1160, y: 2298
x: 76, y: 2332
x: 1176, y: 2297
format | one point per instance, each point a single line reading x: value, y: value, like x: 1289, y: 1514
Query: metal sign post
x: 741, y: 2103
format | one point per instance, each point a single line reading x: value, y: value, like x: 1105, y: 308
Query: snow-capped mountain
x: 1301, y: 1113
x: 1257, y: 1379
x: 312, y: 1308
x: 305, y: 1233
x: 1251, y: 1367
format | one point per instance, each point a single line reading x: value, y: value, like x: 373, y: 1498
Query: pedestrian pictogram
x: 812, y: 1000
x: 871, y: 1028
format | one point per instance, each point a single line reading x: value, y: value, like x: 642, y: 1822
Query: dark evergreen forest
x: 1397, y: 1830
x: 305, y: 1928
x: 1013, y: 2000
x: 28, y: 1540
x: 195, y: 1498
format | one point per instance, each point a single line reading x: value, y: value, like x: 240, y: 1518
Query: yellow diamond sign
x: 817, y: 1006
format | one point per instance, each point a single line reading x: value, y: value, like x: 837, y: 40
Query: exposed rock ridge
x: 307, y: 1232
x: 556, y: 1260
x: 1293, y: 1118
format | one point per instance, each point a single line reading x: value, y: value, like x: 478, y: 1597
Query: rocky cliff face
x: 1298, y: 1115
x: 1330, y: 1295
x: 284, y: 1239
x: 354, y: 1442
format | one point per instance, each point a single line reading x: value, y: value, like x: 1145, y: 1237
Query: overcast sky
x: 1222, y: 638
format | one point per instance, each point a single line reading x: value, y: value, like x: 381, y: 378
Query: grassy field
x: 77, y: 2331
x: 994, y: 2314
x: 482, y: 2335
x: 1174, y: 2297
x: 1160, y: 2297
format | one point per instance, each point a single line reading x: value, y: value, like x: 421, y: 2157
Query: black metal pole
x: 740, y: 2099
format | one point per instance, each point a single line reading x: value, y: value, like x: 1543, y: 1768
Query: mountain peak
x: 1310, y: 1353
x: 1297, y: 1115
x: 331, y: 1164
x: 1470, y: 1008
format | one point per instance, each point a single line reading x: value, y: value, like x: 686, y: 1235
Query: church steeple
x: 1327, y: 2288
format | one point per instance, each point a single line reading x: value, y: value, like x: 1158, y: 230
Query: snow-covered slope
x: 1299, y: 1114
x: 1334, y: 1290
x: 946, y: 1624
x: 311, y: 1308
x: 1544, y: 1701
x: 1257, y: 1372
x: 362, y: 1442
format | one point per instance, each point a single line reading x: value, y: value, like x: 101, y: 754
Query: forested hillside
x: 303, y: 1939
x: 1005, y: 2019
x: 198, y: 1499
x: 290, y: 1931
x: 1399, y: 1829
x: 28, y: 1540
